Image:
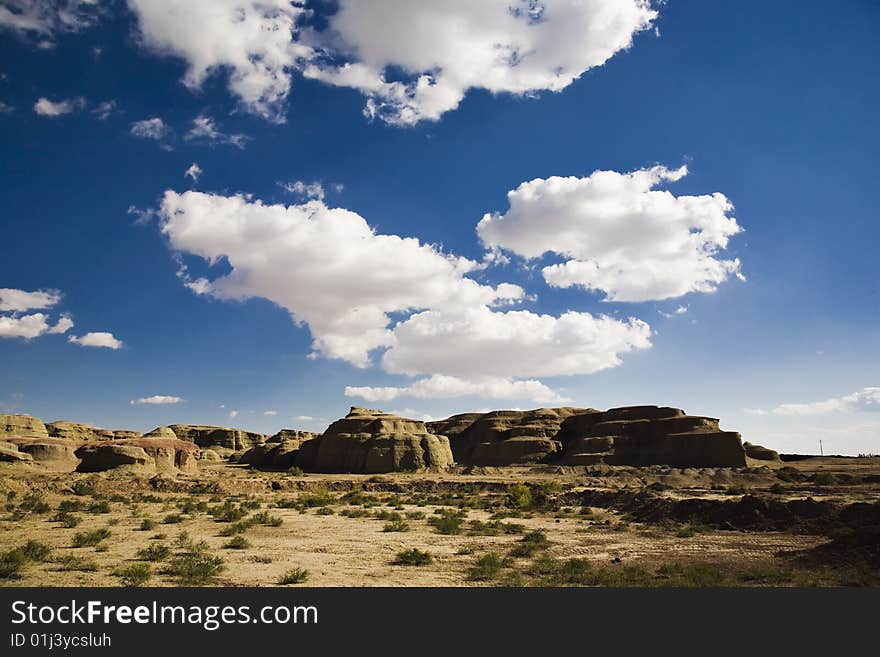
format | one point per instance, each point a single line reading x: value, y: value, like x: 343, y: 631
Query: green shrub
x: 531, y: 543
x: 488, y: 567
x: 265, y: 518
x: 71, y: 563
x: 155, y: 552
x: 87, y: 539
x: 99, y: 507
x: 136, y: 574
x: 83, y: 488
x: 413, y: 557
x: 172, y: 519
x: 519, y: 496
x: 415, y: 515
x: 447, y: 521
x: 70, y: 505
x: 295, y: 471
x: 396, y: 526
x: 316, y: 498
x: 237, y: 543
x: 36, y: 551
x: 195, y: 567
x: 11, y: 563
x: 147, y: 525
x: 294, y: 576
x: 34, y: 503
x: 325, y: 511
x: 67, y: 520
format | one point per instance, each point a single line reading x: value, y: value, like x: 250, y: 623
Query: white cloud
x: 32, y: 326
x: 204, y: 128
x: 312, y: 190
x: 158, y: 399
x: 619, y: 235
x: 20, y: 300
x: 444, y: 387
x: 45, y: 18
x: 304, y: 418
x: 481, y: 342
x: 681, y: 310
x: 438, y: 51
x: 233, y: 413
x: 97, y: 339
x: 46, y: 107
x: 445, y: 49
x: 456, y: 340
x: 103, y: 110
x: 271, y: 413
x: 141, y: 217
x: 326, y: 266
x: 152, y: 128
x: 6, y: 108
x: 252, y: 40
x: 194, y: 171
x: 867, y: 400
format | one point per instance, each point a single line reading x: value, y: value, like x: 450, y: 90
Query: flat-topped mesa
x: 223, y: 440
x: 506, y: 437
x: 370, y: 441
x: 22, y: 426
x: 67, y: 430
x: 649, y: 435
x: 280, y: 452
x: 153, y: 454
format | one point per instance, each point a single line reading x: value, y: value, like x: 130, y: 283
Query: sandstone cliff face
x: 505, y: 437
x: 649, y: 435
x: 631, y: 435
x: 760, y: 453
x: 23, y: 426
x: 280, y: 452
x: 9, y: 453
x: 160, y: 454
x: 84, y: 432
x: 224, y: 440
x: 368, y: 441
x: 55, y: 451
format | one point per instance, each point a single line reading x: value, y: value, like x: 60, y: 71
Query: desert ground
x: 810, y: 522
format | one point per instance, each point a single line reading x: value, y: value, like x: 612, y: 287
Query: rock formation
x: 223, y: 440
x: 161, y: 454
x: 23, y: 426
x: 760, y: 453
x: 280, y: 452
x: 632, y: 435
x: 84, y: 432
x: 505, y: 437
x: 368, y: 441
x: 9, y: 453
x: 55, y: 451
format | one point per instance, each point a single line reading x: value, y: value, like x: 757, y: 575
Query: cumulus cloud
x: 866, y: 400
x: 100, y: 339
x: 332, y: 272
x: 20, y: 301
x: 15, y: 325
x: 46, y: 18
x: 445, y: 49
x: 326, y: 266
x: 204, y: 129
x: 444, y: 387
x: 252, y: 40
x: 618, y: 234
x: 312, y: 190
x: 141, y: 217
x: 194, y: 171
x: 32, y: 326
x: 482, y: 342
x: 680, y: 310
x: 6, y: 108
x: 152, y: 128
x: 436, y: 52
x: 158, y: 399
x: 46, y: 107
x: 270, y: 413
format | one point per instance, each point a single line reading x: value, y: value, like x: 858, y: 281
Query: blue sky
x: 774, y: 109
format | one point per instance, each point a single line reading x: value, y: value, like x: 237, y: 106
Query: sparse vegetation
x: 147, y: 525
x: 70, y: 562
x: 294, y: 576
x: 488, y: 567
x: 396, y: 526
x: 36, y: 551
x: 135, y: 574
x: 447, y: 521
x: 413, y: 557
x: 154, y: 552
x: 11, y: 563
x: 90, y: 539
x: 195, y: 567
x: 237, y: 543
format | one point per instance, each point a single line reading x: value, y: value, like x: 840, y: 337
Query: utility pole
x: 821, y: 451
